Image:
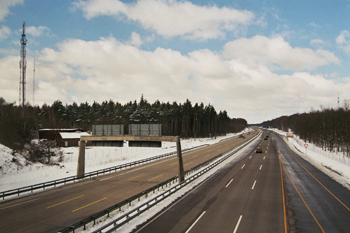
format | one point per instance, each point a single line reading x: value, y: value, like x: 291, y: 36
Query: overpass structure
x: 85, y: 139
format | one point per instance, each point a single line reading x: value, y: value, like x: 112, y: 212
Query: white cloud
x: 277, y: 52
x: 135, y: 39
x: 343, y: 41
x: 172, y: 18
x: 319, y: 43
x: 4, y: 32
x: 106, y: 69
x: 5, y: 5
x: 37, y: 31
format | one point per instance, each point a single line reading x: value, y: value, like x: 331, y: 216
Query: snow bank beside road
x: 96, y: 158
x: 337, y: 168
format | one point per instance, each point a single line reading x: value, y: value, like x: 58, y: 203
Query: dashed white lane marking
x: 260, y: 167
x: 229, y: 183
x: 243, y: 166
x: 195, y: 222
x: 237, y: 225
x: 254, y: 184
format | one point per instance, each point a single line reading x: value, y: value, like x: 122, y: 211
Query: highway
x: 244, y: 196
x: 276, y: 191
x: 273, y: 191
x: 55, y: 209
x: 315, y: 202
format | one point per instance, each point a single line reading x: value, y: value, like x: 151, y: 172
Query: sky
x: 258, y: 60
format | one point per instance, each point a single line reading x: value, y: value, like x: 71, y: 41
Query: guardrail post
x: 179, y: 156
x: 81, y: 160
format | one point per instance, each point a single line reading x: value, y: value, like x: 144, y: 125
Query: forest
x: 327, y: 128
x: 20, y: 124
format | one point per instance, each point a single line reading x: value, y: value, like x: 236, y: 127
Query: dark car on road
x: 258, y: 150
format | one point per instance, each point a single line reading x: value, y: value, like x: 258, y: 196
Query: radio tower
x: 23, y: 67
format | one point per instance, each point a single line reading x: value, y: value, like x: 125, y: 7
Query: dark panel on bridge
x: 108, y: 143
x: 144, y: 144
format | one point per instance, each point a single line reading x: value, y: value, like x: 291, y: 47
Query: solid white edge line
x: 254, y: 184
x: 195, y: 222
x: 237, y: 225
x: 242, y: 166
x: 19, y: 204
x: 229, y: 183
x: 107, y: 178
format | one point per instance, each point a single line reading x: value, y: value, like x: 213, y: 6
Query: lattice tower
x: 23, y: 67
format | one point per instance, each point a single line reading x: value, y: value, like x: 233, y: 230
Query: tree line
x: 327, y: 128
x: 20, y: 124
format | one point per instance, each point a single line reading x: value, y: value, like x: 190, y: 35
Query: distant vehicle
x: 258, y: 150
x: 265, y: 138
x: 241, y: 136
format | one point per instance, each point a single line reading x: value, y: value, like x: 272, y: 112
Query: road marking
x: 195, y: 222
x: 320, y: 182
x: 194, y: 156
x: 283, y: 196
x: 243, y: 166
x: 107, y: 178
x: 254, y: 184
x: 155, y: 177
x: 229, y: 183
x: 174, y: 163
x: 207, y: 155
x: 89, y: 204
x: 250, y: 157
x: 187, y: 163
x: 64, y: 202
x: 136, y: 177
x: 18, y: 204
x: 260, y: 167
x: 264, y: 158
x: 237, y: 225
x: 312, y: 214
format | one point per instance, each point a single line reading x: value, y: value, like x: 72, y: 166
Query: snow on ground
x: 14, y: 173
x: 17, y: 174
x: 335, y: 165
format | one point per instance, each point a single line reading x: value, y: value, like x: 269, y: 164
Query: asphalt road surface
x: 315, y: 202
x: 55, y: 209
x: 276, y: 191
x: 244, y: 196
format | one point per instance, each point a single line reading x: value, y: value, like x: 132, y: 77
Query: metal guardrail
x: 120, y: 221
x: 31, y: 188
x: 142, y: 208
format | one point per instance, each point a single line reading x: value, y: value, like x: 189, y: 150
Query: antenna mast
x: 23, y: 67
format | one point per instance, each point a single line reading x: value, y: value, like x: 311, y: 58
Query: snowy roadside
x: 14, y: 172
x: 171, y: 200
x: 334, y: 165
